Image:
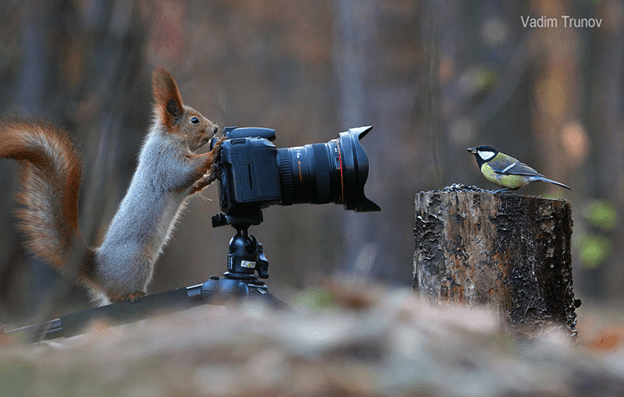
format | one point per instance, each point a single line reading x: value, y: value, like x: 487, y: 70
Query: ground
x: 351, y: 338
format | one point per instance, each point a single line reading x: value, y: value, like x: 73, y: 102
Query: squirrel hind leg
x: 131, y: 297
x: 134, y: 296
x: 99, y: 298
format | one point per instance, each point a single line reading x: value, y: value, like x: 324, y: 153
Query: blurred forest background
x: 433, y: 77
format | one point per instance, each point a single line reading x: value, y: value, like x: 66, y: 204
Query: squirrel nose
x: 215, y: 129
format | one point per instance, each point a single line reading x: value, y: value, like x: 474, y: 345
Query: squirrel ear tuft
x: 167, y: 99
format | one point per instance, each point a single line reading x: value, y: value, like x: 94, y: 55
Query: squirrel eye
x: 194, y: 120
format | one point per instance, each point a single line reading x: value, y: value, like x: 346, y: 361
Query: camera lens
x: 320, y: 173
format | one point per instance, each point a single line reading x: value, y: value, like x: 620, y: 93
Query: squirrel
x: 168, y: 173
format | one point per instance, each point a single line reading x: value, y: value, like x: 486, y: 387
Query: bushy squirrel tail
x: 50, y: 171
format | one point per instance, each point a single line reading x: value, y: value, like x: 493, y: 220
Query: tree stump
x: 506, y: 250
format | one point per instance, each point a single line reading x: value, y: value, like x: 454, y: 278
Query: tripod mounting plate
x: 237, y: 221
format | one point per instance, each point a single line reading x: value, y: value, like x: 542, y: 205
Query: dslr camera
x: 254, y: 174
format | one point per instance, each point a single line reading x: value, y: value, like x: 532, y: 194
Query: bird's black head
x: 483, y: 153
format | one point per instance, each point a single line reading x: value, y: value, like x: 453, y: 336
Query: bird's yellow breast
x: 508, y: 181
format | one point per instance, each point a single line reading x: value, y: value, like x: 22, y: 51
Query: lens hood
x: 354, y: 163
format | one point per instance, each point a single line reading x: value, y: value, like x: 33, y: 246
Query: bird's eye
x: 194, y: 120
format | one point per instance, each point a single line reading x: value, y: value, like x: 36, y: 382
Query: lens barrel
x: 320, y: 173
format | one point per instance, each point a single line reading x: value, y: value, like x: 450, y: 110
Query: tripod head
x: 245, y: 253
x: 246, y: 263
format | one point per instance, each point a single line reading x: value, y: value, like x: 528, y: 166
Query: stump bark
x: 506, y: 250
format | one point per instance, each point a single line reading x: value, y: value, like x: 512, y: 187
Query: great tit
x: 505, y: 171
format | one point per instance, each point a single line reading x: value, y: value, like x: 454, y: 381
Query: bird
x: 506, y: 171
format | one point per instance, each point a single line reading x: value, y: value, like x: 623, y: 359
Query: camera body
x: 253, y: 173
x: 248, y: 170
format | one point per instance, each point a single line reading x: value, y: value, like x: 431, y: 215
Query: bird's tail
x: 544, y: 179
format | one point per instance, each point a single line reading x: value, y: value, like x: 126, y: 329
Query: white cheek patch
x: 486, y: 155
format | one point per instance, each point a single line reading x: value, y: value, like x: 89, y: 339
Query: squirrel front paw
x: 211, y: 174
x: 217, y: 145
x: 214, y: 152
x: 205, y: 180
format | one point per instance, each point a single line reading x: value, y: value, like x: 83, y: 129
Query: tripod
x: 246, y: 265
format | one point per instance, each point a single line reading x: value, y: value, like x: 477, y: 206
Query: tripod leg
x: 265, y: 296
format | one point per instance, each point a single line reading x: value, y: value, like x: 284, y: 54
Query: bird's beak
x: 471, y: 150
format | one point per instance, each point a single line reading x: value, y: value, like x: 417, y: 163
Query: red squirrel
x: 168, y: 173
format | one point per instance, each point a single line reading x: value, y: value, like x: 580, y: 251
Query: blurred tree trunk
x: 27, y: 96
x: 605, y: 123
x: 380, y: 91
x: 354, y: 52
x: 556, y: 91
x: 76, y: 67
